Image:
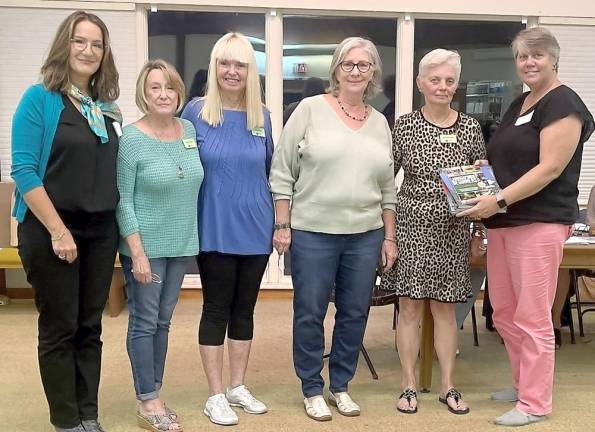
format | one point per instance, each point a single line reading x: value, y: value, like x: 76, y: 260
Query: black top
x: 514, y: 150
x: 81, y: 171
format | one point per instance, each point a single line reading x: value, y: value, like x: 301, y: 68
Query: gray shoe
x: 507, y: 395
x: 78, y: 428
x: 514, y: 417
x: 92, y: 426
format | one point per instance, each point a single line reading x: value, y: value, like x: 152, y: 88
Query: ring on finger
x: 62, y: 256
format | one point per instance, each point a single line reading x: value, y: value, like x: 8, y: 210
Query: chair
x: 579, y: 304
x: 380, y: 297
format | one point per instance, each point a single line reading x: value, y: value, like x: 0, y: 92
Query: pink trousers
x: 522, y: 274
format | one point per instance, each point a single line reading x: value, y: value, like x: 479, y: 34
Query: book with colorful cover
x: 465, y: 182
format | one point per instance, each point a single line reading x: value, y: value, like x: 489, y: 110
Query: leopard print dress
x: 433, y: 245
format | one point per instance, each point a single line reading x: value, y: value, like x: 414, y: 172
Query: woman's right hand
x: 282, y: 240
x: 64, y: 246
x: 141, y: 269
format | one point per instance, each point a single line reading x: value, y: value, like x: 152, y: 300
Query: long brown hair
x: 54, y: 72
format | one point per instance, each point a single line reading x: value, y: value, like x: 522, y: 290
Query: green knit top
x: 159, y: 183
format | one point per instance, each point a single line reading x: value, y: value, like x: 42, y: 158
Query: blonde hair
x: 535, y: 39
x: 375, y: 84
x: 235, y: 47
x: 171, y: 76
x: 55, y: 70
x: 439, y: 57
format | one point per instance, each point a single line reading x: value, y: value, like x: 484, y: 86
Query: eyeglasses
x: 81, y: 44
x: 362, y: 66
x: 155, y: 278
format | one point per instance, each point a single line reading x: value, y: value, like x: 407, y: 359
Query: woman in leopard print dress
x: 433, y: 245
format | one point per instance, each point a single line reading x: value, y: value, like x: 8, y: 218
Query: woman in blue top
x: 64, y: 148
x: 235, y: 218
x: 159, y: 175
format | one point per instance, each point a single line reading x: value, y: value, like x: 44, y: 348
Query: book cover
x: 465, y: 182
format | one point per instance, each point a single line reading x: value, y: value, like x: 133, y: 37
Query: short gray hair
x: 439, y: 57
x: 534, y: 39
x: 375, y: 84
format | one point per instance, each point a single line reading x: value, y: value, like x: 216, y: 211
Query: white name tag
x: 524, y: 119
x: 117, y: 128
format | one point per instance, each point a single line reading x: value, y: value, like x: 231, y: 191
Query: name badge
x: 189, y: 143
x: 117, y: 129
x: 524, y: 119
x: 259, y: 132
x: 448, y: 138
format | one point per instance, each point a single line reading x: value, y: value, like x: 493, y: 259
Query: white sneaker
x: 240, y: 396
x: 218, y: 410
x: 344, y: 404
x: 317, y: 409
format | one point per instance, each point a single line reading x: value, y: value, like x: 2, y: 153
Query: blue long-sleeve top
x: 33, y: 128
x: 235, y: 206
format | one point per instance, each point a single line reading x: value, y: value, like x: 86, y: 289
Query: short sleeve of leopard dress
x: 433, y: 245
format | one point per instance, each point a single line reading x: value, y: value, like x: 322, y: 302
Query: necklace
x: 180, y: 170
x: 436, y: 122
x: 360, y: 119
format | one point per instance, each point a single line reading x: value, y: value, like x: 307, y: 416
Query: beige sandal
x: 156, y: 422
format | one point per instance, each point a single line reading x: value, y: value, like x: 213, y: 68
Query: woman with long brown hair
x: 64, y: 148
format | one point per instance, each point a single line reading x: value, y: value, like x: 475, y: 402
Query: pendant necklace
x: 360, y: 119
x: 180, y: 170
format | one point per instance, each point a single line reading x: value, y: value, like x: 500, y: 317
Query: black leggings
x: 230, y: 285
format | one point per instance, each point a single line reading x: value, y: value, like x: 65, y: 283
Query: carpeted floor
x: 479, y: 371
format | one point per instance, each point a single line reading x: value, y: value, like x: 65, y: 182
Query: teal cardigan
x: 33, y: 128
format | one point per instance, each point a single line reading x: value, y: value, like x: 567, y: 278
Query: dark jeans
x: 321, y: 261
x: 230, y: 286
x: 70, y: 299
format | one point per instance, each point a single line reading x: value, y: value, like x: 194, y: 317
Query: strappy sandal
x: 156, y: 422
x: 171, y: 413
x: 456, y: 395
x: 408, y: 394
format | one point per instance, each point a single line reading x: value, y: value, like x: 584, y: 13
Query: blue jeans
x: 346, y: 262
x: 150, y: 308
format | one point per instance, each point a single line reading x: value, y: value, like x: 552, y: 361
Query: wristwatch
x: 501, y: 201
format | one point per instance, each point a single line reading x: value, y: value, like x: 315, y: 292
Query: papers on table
x: 581, y: 240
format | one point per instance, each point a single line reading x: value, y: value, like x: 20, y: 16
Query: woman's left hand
x: 388, y: 255
x: 483, y: 207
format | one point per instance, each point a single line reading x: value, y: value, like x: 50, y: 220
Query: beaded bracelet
x: 279, y: 226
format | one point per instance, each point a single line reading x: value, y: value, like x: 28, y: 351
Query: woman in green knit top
x: 159, y: 176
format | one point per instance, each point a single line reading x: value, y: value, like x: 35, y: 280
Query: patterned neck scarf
x: 94, y: 112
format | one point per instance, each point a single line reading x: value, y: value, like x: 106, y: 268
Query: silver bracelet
x: 390, y: 239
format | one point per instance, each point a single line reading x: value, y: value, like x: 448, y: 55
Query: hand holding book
x: 469, y: 185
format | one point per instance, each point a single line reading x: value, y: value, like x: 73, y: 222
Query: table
x: 576, y: 257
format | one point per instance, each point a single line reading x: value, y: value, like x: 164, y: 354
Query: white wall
x: 577, y: 57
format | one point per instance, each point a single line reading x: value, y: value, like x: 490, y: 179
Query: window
x: 488, y: 80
